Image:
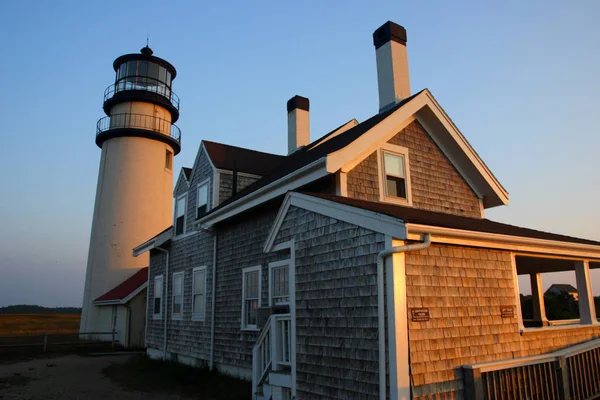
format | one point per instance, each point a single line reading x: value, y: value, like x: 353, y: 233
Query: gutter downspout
x: 381, y: 303
x: 212, y: 313
x: 166, y: 283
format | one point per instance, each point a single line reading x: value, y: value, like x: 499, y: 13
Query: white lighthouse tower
x: 135, y: 183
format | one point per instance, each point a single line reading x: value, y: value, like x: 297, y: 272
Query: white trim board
x: 353, y: 215
x: 503, y: 242
x: 156, y: 241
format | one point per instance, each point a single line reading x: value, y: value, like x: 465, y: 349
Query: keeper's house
x: 361, y: 265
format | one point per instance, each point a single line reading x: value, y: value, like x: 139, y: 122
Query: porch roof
x: 424, y: 217
x: 121, y: 293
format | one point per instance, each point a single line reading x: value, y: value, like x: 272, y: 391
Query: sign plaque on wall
x: 419, y: 314
x: 507, y: 311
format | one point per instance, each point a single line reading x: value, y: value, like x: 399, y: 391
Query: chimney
x: 298, y: 123
x: 392, y: 64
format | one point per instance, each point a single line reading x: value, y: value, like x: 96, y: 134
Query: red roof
x: 127, y: 287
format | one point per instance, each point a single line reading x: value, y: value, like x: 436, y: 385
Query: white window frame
x: 272, y: 266
x: 399, y: 151
x: 245, y: 271
x: 154, y: 297
x: 184, y: 215
x: 179, y: 315
x: 207, y: 183
x: 198, y: 316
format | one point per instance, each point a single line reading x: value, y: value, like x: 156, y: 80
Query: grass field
x: 31, y: 324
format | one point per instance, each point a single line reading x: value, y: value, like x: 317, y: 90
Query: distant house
x: 558, y: 288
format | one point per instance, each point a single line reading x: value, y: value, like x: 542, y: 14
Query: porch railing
x: 571, y: 373
x: 272, y: 351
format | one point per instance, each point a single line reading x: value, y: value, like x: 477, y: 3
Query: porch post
x: 537, y: 295
x: 587, y: 309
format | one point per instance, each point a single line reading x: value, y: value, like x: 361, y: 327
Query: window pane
x: 396, y: 187
x: 180, y: 207
x: 177, y: 285
x: 252, y: 285
x: 198, y: 304
x: 394, y: 164
x: 131, y: 68
x: 177, y: 304
x: 162, y: 74
x: 157, y: 287
x: 157, y: 305
x: 202, y: 195
x: 168, y: 81
x: 251, y: 306
x: 152, y: 71
x: 179, y: 225
x: 142, y: 68
x: 280, y: 282
x: 199, y: 282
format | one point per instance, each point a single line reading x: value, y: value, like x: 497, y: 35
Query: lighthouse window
x: 162, y: 74
x: 169, y: 160
x: 202, y: 206
x: 153, y: 71
x: 180, y: 215
x: 131, y: 68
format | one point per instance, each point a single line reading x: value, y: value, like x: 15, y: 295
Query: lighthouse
x: 138, y: 140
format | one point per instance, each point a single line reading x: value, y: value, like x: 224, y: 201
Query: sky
x: 518, y: 78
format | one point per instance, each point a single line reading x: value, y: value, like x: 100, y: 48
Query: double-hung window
x: 158, y: 291
x: 250, y: 297
x: 202, y: 199
x: 199, y: 293
x: 180, y: 214
x: 394, y: 174
x: 279, y: 283
x: 177, y: 312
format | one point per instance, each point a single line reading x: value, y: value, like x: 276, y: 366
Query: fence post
x: 112, y: 342
x: 45, y: 341
x: 564, y: 378
x: 473, y: 383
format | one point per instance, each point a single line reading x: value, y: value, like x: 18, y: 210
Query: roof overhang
x: 425, y: 109
x: 156, y: 241
x: 502, y: 242
x: 123, y: 301
x: 357, y: 216
x: 296, y: 179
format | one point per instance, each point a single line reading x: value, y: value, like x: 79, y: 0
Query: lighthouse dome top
x: 145, y: 54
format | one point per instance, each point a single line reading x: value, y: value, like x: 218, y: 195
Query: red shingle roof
x: 127, y: 287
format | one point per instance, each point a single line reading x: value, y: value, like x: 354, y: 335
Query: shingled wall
x: 336, y: 306
x: 464, y: 288
x: 435, y: 183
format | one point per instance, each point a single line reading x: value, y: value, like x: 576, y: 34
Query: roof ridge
x: 242, y: 148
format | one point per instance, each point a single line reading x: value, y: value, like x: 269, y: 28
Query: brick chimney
x: 392, y: 64
x: 298, y: 123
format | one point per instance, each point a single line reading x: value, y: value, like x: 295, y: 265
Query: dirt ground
x: 67, y: 377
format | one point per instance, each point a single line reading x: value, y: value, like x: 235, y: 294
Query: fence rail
x: 45, y: 340
x: 572, y: 373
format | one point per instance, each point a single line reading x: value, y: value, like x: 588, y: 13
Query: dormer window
x: 394, y: 174
x: 202, y: 199
x: 180, y: 215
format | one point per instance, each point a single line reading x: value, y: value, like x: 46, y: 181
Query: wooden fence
x: 568, y: 374
x: 44, y: 342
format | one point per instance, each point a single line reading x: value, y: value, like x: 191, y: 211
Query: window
x: 250, y: 296
x: 199, y: 293
x: 202, y: 199
x: 158, y: 290
x: 394, y: 174
x: 177, y: 295
x: 180, y: 215
x: 169, y: 160
x: 279, y: 284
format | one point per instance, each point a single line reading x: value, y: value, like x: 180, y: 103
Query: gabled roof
x: 125, y: 291
x: 340, y: 150
x: 424, y: 217
x: 187, y: 172
x: 224, y: 156
x: 562, y: 287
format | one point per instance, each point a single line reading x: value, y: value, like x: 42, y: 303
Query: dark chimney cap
x: 298, y: 102
x: 387, y: 32
x: 147, y: 51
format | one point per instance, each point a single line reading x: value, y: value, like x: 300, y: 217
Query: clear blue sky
x: 520, y: 79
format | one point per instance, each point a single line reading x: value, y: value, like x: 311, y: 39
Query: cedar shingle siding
x: 226, y: 184
x: 336, y: 306
x: 464, y: 288
x: 435, y: 183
